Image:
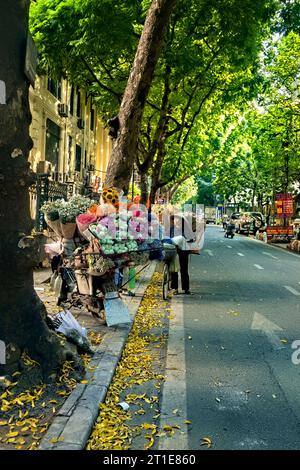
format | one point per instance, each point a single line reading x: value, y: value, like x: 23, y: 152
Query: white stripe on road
x: 258, y: 266
x: 269, y: 254
x: 240, y: 254
x: 228, y: 246
x: 293, y: 291
x: 262, y: 323
x: 209, y: 252
x: 174, y: 389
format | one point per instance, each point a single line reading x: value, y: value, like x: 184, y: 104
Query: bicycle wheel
x: 166, y: 279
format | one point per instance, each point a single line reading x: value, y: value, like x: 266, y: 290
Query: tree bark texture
x: 131, y: 111
x: 144, y: 188
x: 22, y: 315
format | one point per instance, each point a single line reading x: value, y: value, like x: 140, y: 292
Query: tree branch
x: 196, y: 114
x: 101, y: 85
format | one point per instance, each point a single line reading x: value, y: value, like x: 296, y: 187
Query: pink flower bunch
x: 84, y: 220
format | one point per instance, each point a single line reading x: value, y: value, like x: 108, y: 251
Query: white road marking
x: 240, y: 254
x: 228, y: 246
x: 174, y: 389
x: 292, y: 290
x: 258, y: 266
x: 209, y: 252
x: 269, y: 254
x: 260, y: 322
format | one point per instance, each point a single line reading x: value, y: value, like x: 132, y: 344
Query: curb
x: 73, y: 423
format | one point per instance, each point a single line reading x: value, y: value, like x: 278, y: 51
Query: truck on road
x: 210, y: 214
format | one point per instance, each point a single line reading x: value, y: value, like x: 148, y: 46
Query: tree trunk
x: 144, y: 188
x: 131, y: 111
x: 22, y: 315
x: 153, y: 194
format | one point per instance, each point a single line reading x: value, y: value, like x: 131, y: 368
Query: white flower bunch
x: 73, y: 207
x: 51, y: 209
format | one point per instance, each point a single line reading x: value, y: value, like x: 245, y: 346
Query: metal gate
x: 46, y: 190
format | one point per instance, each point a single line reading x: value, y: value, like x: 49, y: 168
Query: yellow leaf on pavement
x: 206, y: 441
x: 12, y: 434
x: 150, y: 443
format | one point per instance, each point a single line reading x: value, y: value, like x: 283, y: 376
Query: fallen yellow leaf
x: 12, y: 434
x: 206, y: 441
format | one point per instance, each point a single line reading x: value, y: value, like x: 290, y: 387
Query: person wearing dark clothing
x: 184, y: 272
x: 183, y: 259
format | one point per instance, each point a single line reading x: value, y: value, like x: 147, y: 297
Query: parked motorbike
x: 229, y: 231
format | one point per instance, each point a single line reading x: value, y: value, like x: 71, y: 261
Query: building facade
x: 69, y: 139
x: 70, y: 142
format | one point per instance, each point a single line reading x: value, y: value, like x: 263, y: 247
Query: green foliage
x: 259, y: 154
x: 90, y: 42
x: 208, y: 70
x: 205, y: 191
x: 212, y: 58
x: 289, y: 18
x: 186, y: 192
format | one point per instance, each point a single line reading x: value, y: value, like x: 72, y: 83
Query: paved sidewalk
x: 73, y: 423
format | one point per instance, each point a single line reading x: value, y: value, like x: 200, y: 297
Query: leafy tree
x: 137, y: 89
x: 259, y: 155
x: 209, y: 51
x: 205, y: 191
x: 89, y: 42
x: 185, y: 192
x: 206, y: 61
x: 289, y: 18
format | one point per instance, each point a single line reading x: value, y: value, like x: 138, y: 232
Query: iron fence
x: 45, y: 190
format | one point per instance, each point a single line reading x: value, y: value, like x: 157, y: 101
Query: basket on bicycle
x: 169, y: 251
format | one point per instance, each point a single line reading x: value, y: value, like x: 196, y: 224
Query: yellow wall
x: 95, y: 143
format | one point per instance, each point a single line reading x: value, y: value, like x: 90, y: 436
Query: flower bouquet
x: 83, y: 221
x: 69, y: 211
x: 51, y: 212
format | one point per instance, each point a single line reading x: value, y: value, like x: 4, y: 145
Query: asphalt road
x: 242, y: 389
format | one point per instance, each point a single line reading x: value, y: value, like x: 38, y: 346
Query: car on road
x: 248, y: 222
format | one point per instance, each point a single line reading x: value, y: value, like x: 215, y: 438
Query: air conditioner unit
x: 63, y: 110
x: 80, y: 124
x: 44, y: 167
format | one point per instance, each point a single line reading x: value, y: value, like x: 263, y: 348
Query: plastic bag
x: 52, y: 280
x: 71, y: 329
x: 68, y: 322
x: 58, y: 285
x: 53, y: 249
